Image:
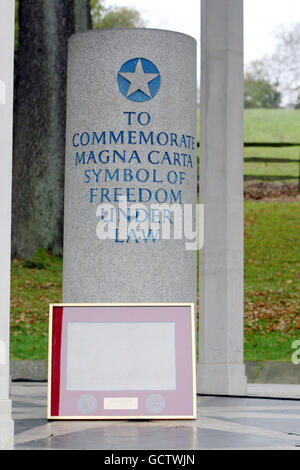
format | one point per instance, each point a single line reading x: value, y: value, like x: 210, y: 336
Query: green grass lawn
x: 272, y: 279
x: 32, y: 289
x: 272, y: 125
x: 272, y: 286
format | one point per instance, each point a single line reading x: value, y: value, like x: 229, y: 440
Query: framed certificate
x: 121, y: 361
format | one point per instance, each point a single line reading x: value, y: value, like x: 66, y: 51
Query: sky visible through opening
x: 261, y: 19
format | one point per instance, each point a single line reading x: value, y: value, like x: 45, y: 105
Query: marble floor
x: 222, y: 423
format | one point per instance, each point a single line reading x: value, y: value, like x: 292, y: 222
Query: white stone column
x: 220, y: 368
x: 6, y: 113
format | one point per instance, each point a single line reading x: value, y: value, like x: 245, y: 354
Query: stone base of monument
x: 221, y: 379
x: 6, y: 425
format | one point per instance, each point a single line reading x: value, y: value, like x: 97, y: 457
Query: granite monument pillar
x: 131, y: 158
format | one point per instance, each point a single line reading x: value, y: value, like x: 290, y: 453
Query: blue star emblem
x: 139, y: 80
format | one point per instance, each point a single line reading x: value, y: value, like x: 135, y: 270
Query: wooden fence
x: 272, y: 160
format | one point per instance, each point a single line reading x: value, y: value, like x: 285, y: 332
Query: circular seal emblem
x: 86, y: 404
x: 139, y: 80
x: 155, y: 403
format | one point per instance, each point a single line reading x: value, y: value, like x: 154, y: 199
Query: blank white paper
x: 121, y: 356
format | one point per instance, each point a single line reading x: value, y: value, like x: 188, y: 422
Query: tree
x: 16, y: 25
x: 116, y: 17
x: 43, y: 28
x: 259, y: 91
x: 39, y: 127
x: 285, y: 63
